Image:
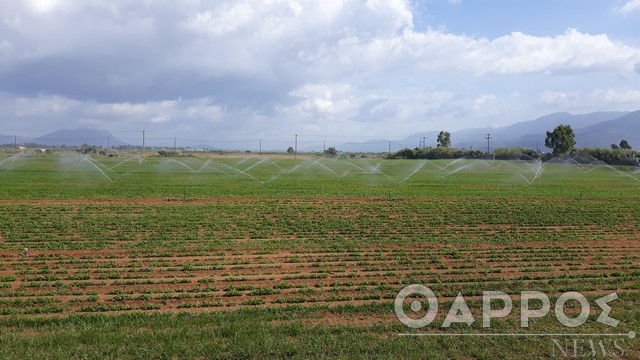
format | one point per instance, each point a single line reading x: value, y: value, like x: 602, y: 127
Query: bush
x: 437, y: 153
x: 331, y: 152
x: 168, y: 153
x: 87, y: 150
x: 403, y: 154
x: 608, y: 156
x: 516, y: 153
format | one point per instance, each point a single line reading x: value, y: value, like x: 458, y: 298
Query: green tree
x: 624, y: 144
x: 444, y: 139
x: 290, y: 150
x: 406, y: 154
x: 615, y: 147
x: 561, y: 139
x: 331, y: 152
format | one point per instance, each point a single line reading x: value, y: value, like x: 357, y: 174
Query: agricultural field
x: 264, y: 256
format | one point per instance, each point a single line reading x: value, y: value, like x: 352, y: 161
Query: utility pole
x: 107, y: 143
x: 488, y: 139
x: 260, y: 150
x: 424, y: 142
x: 295, y: 150
x: 389, y: 147
x: 175, y: 148
x: 15, y: 142
x: 324, y: 146
x: 142, y: 142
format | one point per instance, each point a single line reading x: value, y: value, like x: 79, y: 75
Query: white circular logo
x: 416, y: 306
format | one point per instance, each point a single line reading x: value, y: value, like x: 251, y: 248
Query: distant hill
x: 6, y: 139
x: 9, y: 139
x: 373, y: 145
x: 598, y: 129
x: 548, y: 122
x: 605, y: 133
x: 531, y: 133
x: 414, y: 140
x: 80, y: 136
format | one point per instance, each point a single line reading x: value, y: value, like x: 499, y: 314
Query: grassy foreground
x: 346, y: 332
x: 259, y: 257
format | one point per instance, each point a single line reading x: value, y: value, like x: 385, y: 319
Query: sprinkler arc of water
x: 97, y: 167
x: 400, y: 172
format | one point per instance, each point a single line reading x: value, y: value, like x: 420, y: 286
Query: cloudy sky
x: 272, y: 68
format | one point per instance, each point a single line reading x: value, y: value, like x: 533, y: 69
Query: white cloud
x: 572, y: 51
x: 342, y: 66
x: 483, y: 100
x: 516, y: 53
x: 41, y: 105
x: 222, y: 20
x: 630, y: 6
x: 160, y: 119
x: 44, y: 6
x: 595, y: 100
x: 616, y: 96
x: 395, y: 13
x: 324, y: 99
x: 118, y: 117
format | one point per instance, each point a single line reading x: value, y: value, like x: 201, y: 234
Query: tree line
x: 561, y: 141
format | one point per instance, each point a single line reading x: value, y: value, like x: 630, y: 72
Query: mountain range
x: 69, y: 137
x: 597, y: 129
